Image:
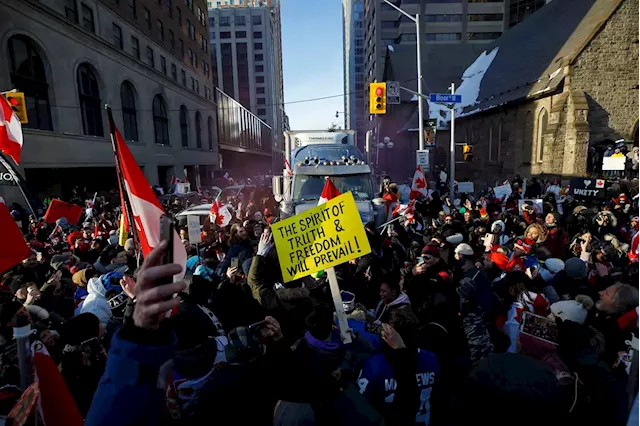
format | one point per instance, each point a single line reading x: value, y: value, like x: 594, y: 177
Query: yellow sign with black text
x: 324, y: 236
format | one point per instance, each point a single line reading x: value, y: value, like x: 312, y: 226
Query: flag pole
x: 126, y: 206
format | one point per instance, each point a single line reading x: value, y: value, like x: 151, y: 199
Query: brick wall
x: 607, y: 71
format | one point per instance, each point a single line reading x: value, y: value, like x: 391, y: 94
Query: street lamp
x: 387, y: 146
x: 416, y: 19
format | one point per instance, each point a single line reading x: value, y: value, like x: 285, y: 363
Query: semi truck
x: 315, y: 155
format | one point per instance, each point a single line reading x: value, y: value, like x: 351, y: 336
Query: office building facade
x: 148, y: 60
x: 354, y: 81
x: 246, y: 53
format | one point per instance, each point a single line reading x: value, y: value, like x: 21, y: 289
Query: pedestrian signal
x: 378, y: 98
x: 18, y: 105
x: 467, y: 152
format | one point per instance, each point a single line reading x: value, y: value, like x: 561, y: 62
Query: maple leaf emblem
x: 420, y: 183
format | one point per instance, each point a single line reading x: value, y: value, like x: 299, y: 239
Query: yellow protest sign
x: 324, y: 236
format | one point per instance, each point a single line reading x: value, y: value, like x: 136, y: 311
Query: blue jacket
x: 128, y: 393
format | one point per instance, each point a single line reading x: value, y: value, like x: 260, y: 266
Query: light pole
x: 346, y: 114
x: 386, y: 146
x: 416, y: 19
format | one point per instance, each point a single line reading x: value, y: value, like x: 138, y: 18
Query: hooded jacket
x: 96, y: 301
x: 383, y: 308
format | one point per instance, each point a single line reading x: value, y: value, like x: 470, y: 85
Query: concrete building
x: 353, y: 64
x: 547, y: 105
x: 148, y: 60
x: 246, y: 49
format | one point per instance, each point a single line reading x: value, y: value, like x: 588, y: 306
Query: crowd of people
x: 475, y: 310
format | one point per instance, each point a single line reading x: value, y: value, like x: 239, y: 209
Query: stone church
x: 563, y: 86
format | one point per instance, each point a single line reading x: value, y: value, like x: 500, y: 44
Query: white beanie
x: 554, y: 265
x: 464, y: 249
x: 573, y: 310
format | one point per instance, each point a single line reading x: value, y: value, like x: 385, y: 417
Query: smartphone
x: 538, y: 335
x: 166, y: 234
x: 255, y: 329
x: 235, y: 263
x: 373, y: 328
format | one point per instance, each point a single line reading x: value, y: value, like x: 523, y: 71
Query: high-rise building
x: 246, y: 48
x: 148, y: 59
x: 353, y: 45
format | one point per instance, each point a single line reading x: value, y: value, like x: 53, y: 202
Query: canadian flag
x: 406, y: 210
x: 219, y: 214
x: 10, y: 131
x: 418, y: 185
x: 634, y: 252
x: 13, y: 248
x: 145, y: 207
x: 328, y: 192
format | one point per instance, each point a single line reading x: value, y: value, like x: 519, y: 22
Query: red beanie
x: 431, y: 249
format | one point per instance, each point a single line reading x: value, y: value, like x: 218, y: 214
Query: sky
x: 312, y: 62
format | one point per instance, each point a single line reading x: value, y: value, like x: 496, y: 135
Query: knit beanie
x: 575, y: 268
x: 431, y: 249
x: 573, y: 310
x: 464, y: 249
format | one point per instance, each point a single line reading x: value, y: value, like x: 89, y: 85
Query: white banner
x: 503, y: 191
x: 613, y: 163
x: 193, y: 224
x: 466, y: 188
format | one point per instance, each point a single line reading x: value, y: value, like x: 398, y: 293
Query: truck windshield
x: 307, y: 188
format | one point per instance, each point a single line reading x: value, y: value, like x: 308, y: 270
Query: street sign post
x: 422, y: 159
x: 393, y: 93
x: 445, y: 98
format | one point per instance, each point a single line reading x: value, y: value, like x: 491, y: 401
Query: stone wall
x: 607, y: 71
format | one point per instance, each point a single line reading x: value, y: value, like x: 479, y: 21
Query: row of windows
x: 485, y: 17
x: 28, y: 75
x: 483, y: 36
x: 239, y: 34
x: 444, y: 18
x: 240, y: 21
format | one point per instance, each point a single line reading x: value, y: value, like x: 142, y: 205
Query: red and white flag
x: 418, y: 185
x: 287, y: 168
x: 328, y: 192
x: 10, y: 131
x: 145, y: 207
x: 634, y: 252
x: 406, y: 210
x: 55, y: 402
x: 220, y: 214
x: 13, y: 248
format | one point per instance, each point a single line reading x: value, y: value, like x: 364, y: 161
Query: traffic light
x: 16, y: 100
x: 467, y: 152
x: 378, y: 98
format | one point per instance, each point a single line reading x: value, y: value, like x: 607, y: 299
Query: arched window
x: 160, y: 121
x: 210, y: 132
x: 184, y: 126
x: 198, y: 130
x: 90, y: 105
x: 543, y: 120
x: 129, y: 111
x: 28, y: 75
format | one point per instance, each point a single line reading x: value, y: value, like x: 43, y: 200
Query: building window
x: 483, y: 36
x: 256, y: 20
x: 241, y: 21
x: 485, y: 17
x: 160, y: 121
x: 117, y: 35
x: 160, y: 30
x: 259, y: 79
x: 179, y: 16
x: 183, y: 78
x: 190, y: 56
x: 210, y: 133
x: 71, y: 10
x: 225, y: 21
x: 87, y: 18
x: 170, y: 8
x: 257, y: 34
x: 195, y: 60
x: 181, y: 49
x: 129, y: 112
x: 172, y: 40
x: 147, y: 18
x: 543, y: 120
x: 197, y: 87
x: 447, y: 1
x: 259, y: 90
x: 212, y: 22
x: 261, y: 101
x: 262, y: 111
x: 163, y: 65
x: 444, y: 18
x: 225, y: 34
x: 442, y: 36
x: 135, y: 47
x: 184, y: 126
x: 259, y: 68
x: 174, y: 72
x: 205, y: 68
x: 133, y: 10
x: 27, y: 72
x: 150, y: 57
x: 258, y: 57
x: 198, y: 130
x: 90, y: 105
x: 189, y: 4
x: 193, y: 84
x: 389, y: 24
x: 241, y: 34
x: 257, y: 46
